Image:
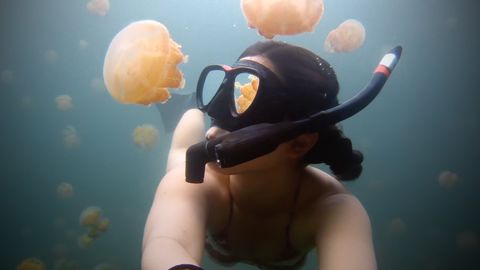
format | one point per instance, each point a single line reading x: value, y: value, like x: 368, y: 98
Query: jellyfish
x: 103, y: 225
x: 64, y: 102
x: 98, y: 7
x: 141, y: 64
x: 85, y: 241
x: 447, y: 179
x: 103, y: 266
x: 282, y: 17
x: 145, y: 136
x: 90, y: 216
x: 31, y: 264
x: 6, y: 76
x: 70, y: 138
x: 397, y: 226
x: 467, y: 240
x: 248, y: 92
x: 83, y: 44
x: 65, y: 190
x: 51, y: 56
x: 348, y: 36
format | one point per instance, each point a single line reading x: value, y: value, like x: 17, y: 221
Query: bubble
x: 397, y: 226
x: 467, y: 240
x: 65, y: 190
x: 348, y: 36
x: 145, y: 136
x: 83, y: 44
x: 64, y: 102
x: 31, y: 264
x: 447, y: 179
x: 71, y: 139
x: 90, y: 216
x: 51, y: 56
x: 6, y: 76
x: 141, y: 64
x: 282, y: 17
x: 98, y: 7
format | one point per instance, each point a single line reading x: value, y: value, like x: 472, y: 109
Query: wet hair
x: 311, y: 86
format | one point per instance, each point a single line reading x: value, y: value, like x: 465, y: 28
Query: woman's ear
x: 301, y: 145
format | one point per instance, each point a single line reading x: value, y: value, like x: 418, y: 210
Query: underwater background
x: 420, y: 137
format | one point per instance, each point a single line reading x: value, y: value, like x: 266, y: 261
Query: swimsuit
x: 217, y: 247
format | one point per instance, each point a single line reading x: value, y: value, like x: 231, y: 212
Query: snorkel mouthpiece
x: 257, y: 140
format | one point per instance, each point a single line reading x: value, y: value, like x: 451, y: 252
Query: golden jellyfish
x: 64, y: 102
x: 85, y: 241
x: 70, y: 137
x: 65, y: 190
x: 98, y: 7
x: 103, y: 225
x: 6, y: 76
x: 141, y: 64
x: 145, y: 136
x: 282, y: 17
x: 90, y: 216
x: 82, y: 44
x: 51, y: 56
x: 248, y: 92
x: 447, y: 179
x: 31, y: 264
x: 348, y: 36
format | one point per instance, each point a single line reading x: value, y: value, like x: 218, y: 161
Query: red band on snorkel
x: 382, y: 69
x: 227, y: 68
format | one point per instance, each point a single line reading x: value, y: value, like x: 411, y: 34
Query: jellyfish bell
x: 145, y: 136
x: 103, y: 225
x: 85, y: 241
x: 141, y: 64
x: 90, y: 216
x: 31, y: 264
x: 64, y: 102
x: 347, y: 37
x: 282, y: 17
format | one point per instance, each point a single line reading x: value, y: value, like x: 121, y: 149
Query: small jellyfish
x: 348, y: 36
x: 141, y: 64
x: 51, y: 56
x: 98, y: 7
x: 65, y: 190
x: 83, y: 44
x: 397, y: 226
x: 447, y: 179
x: 90, y: 216
x: 6, y: 76
x: 70, y: 138
x: 64, y: 102
x: 103, y: 225
x: 103, y: 266
x: 31, y: 264
x: 85, y: 241
x: 467, y: 240
x: 145, y: 136
x: 282, y: 17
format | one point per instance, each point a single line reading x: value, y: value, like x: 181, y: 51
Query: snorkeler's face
x: 242, y: 95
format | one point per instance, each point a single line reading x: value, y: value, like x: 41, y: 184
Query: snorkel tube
x: 257, y: 140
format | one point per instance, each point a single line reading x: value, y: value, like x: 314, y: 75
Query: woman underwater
x: 272, y: 210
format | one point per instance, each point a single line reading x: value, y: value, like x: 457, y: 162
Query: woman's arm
x: 175, y: 229
x: 190, y: 130
x: 343, y: 237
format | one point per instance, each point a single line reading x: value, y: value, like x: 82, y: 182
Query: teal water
x: 426, y: 121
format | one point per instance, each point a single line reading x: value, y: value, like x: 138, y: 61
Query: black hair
x: 311, y: 86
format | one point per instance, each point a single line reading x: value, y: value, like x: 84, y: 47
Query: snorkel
x: 257, y: 140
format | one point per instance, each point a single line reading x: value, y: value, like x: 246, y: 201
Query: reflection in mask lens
x: 213, y: 81
x: 246, y: 86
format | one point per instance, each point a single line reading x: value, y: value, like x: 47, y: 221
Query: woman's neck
x: 266, y: 192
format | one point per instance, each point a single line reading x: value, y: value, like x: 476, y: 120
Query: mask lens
x: 213, y: 81
x: 246, y: 87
